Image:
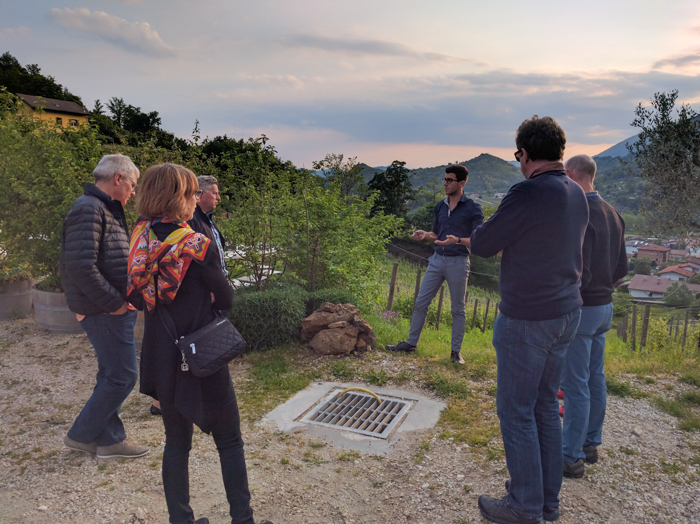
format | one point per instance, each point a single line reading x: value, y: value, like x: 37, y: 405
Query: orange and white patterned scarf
x: 168, y: 261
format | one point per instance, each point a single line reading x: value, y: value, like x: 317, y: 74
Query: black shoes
x: 456, y: 358
x: 591, y: 454
x: 548, y: 514
x: 402, y: 346
x: 198, y: 521
x: 500, y: 512
x: 156, y: 411
x: 575, y: 470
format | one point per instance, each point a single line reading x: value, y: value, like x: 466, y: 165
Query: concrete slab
x: 423, y: 414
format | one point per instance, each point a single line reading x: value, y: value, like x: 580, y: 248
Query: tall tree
x: 346, y: 175
x: 29, y: 80
x: 117, y: 107
x: 667, y: 152
x: 395, y: 189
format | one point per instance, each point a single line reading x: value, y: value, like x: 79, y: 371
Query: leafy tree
x: 695, y: 279
x: 29, y: 80
x: 99, y: 108
x: 117, y: 107
x: 643, y: 266
x: 668, y: 155
x: 346, y: 175
x: 678, y: 295
x: 136, y: 121
x: 394, y: 188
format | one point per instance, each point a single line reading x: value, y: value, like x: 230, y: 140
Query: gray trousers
x: 440, y: 268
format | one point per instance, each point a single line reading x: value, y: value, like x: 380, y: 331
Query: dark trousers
x: 178, y: 443
x: 112, y: 336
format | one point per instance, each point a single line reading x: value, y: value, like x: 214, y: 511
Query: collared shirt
x: 460, y: 222
x: 219, y: 243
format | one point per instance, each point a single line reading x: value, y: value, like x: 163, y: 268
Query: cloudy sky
x: 423, y: 82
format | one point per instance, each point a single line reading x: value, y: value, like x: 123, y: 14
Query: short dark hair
x: 542, y: 138
x: 461, y: 172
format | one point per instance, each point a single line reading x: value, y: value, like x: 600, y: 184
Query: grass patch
x: 276, y: 375
x: 623, y: 389
x: 348, y: 456
x: 682, y: 407
x: 378, y: 378
x: 472, y: 421
x: 343, y: 370
x: 446, y: 386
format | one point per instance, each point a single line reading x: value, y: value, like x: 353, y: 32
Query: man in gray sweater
x: 583, y: 381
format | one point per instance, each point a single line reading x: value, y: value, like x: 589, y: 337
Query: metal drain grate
x: 359, y: 413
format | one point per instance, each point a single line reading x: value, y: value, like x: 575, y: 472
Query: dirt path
x: 648, y: 472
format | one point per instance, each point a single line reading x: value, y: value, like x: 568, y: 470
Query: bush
x: 273, y: 317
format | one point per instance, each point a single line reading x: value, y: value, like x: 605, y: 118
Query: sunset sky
x: 423, y: 82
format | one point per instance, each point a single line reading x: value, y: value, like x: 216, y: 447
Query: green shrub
x: 268, y: 318
x: 336, y: 296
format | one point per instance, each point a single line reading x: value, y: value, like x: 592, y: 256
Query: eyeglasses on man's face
x: 518, y: 154
x: 449, y: 180
x: 198, y: 194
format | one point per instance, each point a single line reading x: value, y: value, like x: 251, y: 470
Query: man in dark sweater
x: 539, y: 228
x: 203, y: 220
x: 583, y: 382
x: 455, y: 219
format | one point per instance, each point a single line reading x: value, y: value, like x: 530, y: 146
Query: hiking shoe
x: 575, y: 470
x: 560, y: 395
x: 499, y: 511
x: 548, y: 514
x: 79, y: 446
x: 402, y: 346
x: 456, y: 358
x: 122, y: 449
x: 156, y: 411
x: 591, y: 454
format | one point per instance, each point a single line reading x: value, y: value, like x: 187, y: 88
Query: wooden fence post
x: 486, y: 316
x: 392, y: 286
x: 685, y: 328
x: 495, y: 312
x: 442, y: 293
x: 634, y: 327
x: 645, y: 326
x: 476, y: 305
x: 415, y: 293
x: 670, y: 326
x: 624, y: 325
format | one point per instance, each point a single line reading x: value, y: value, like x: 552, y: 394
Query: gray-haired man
x: 203, y: 221
x: 94, y: 258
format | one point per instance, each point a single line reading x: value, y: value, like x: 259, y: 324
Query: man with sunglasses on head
x: 539, y: 226
x: 455, y: 218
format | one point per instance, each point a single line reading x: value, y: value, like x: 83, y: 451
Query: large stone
x: 324, y: 316
x: 340, y: 341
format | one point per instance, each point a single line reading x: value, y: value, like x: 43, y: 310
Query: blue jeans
x: 112, y: 337
x: 456, y: 271
x: 530, y: 359
x: 583, y: 383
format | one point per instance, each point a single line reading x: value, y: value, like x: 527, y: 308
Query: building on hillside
x: 63, y: 113
x: 499, y: 195
x: 694, y: 262
x: 657, y: 253
x: 653, y: 288
x: 678, y: 273
x: 678, y: 254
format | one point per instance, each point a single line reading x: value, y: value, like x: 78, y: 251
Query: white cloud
x: 19, y: 32
x: 137, y: 37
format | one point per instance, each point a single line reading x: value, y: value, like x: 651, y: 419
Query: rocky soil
x: 648, y: 470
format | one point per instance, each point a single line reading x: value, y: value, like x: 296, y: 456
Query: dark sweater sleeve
x: 214, y: 279
x: 588, y: 242
x: 83, y: 232
x: 504, y: 226
x: 622, y: 268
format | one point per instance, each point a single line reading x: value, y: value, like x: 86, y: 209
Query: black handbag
x: 209, y: 348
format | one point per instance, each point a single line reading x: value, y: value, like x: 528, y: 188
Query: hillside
x: 487, y: 174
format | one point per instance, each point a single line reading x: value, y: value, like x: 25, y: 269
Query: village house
x: 694, y: 262
x: 678, y: 254
x: 678, y: 273
x: 62, y: 112
x: 657, y: 253
x: 647, y: 287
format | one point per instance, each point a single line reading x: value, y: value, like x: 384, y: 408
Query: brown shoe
x: 456, y: 358
x: 79, y: 446
x: 123, y: 449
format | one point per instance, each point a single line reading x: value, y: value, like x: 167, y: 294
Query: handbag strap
x: 168, y: 323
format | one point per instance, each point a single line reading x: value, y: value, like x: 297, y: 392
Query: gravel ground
x: 648, y: 470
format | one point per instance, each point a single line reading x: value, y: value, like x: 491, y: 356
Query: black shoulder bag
x: 209, y: 348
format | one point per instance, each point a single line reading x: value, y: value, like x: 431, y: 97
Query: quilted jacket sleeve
x: 83, y: 231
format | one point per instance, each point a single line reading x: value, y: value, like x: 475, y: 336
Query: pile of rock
x: 337, y: 329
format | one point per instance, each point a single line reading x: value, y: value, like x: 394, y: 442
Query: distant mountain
x: 618, y: 150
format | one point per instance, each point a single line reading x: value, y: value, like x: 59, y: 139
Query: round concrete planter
x: 15, y: 299
x: 52, y: 313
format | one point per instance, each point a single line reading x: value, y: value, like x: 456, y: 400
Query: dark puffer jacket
x: 94, y: 253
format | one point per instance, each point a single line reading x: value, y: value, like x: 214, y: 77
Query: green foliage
x: 42, y: 171
x: 13, y: 270
x: 678, y: 294
x: 622, y: 389
x: 378, y: 378
x: 343, y: 370
x: 345, y: 176
x: 29, y: 80
x: 667, y: 151
x: 643, y: 266
x: 394, y: 190
x: 446, y: 386
x: 278, y: 310
x: 622, y: 303
x: 334, y: 295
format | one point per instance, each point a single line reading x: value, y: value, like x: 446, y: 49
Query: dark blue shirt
x: 539, y: 226
x: 460, y: 222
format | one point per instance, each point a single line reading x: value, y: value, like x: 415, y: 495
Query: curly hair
x: 164, y: 191
x: 542, y: 138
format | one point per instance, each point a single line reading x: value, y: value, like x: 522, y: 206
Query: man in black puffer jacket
x: 94, y: 258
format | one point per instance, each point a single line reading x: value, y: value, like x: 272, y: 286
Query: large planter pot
x: 52, y: 313
x: 15, y: 298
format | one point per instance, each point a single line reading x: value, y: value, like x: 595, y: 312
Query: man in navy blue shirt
x: 455, y: 219
x: 539, y: 226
